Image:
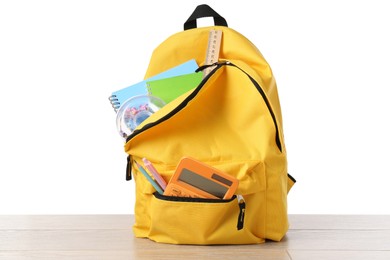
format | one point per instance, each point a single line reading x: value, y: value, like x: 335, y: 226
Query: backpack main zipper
x: 268, y: 104
x: 193, y: 95
x: 181, y: 105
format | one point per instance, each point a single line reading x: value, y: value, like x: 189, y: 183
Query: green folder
x: 170, y: 88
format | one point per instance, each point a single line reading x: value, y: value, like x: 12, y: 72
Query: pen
x: 155, y: 173
x: 154, y: 184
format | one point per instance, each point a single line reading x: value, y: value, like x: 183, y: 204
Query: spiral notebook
x: 120, y: 96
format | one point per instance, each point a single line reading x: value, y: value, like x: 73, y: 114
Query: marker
x: 155, y: 173
x: 154, y: 184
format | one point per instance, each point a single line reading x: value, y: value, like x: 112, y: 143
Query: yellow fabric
x: 226, y: 125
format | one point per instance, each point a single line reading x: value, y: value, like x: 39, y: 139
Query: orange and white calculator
x: 199, y: 180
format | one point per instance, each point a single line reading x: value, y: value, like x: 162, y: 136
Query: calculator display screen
x: 202, y: 183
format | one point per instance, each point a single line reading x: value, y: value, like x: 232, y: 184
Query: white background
x: 60, y: 60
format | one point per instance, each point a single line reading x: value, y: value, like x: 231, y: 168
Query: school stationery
x: 150, y: 180
x: 118, y: 97
x: 195, y: 179
x: 160, y: 180
x: 170, y: 88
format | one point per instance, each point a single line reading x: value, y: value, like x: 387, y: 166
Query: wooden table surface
x: 110, y: 237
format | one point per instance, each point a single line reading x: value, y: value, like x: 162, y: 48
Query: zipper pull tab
x: 201, y: 68
x: 241, y: 216
x: 128, y: 169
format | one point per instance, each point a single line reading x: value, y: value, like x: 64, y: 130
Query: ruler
x: 213, y: 47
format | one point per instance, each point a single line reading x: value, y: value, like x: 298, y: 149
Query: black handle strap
x: 204, y: 11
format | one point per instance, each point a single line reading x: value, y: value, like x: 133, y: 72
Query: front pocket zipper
x: 241, y: 216
x: 240, y: 200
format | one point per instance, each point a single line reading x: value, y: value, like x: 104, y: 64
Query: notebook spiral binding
x: 149, y: 89
x: 114, y: 102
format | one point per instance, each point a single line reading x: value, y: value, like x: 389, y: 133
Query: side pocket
x: 197, y: 221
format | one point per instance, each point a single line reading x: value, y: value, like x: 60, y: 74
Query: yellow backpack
x: 232, y: 121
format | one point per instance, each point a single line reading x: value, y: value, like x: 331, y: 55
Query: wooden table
x: 110, y: 237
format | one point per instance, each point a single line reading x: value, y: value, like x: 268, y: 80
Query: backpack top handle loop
x: 204, y: 11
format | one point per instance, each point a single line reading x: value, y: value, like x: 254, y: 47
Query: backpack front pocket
x: 179, y: 220
x: 183, y: 220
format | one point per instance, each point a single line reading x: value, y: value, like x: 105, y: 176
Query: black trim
x: 187, y: 199
x: 261, y: 91
x: 179, y: 107
x: 201, y: 68
x: 196, y: 91
x: 128, y: 169
x: 204, y: 11
x: 291, y: 178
